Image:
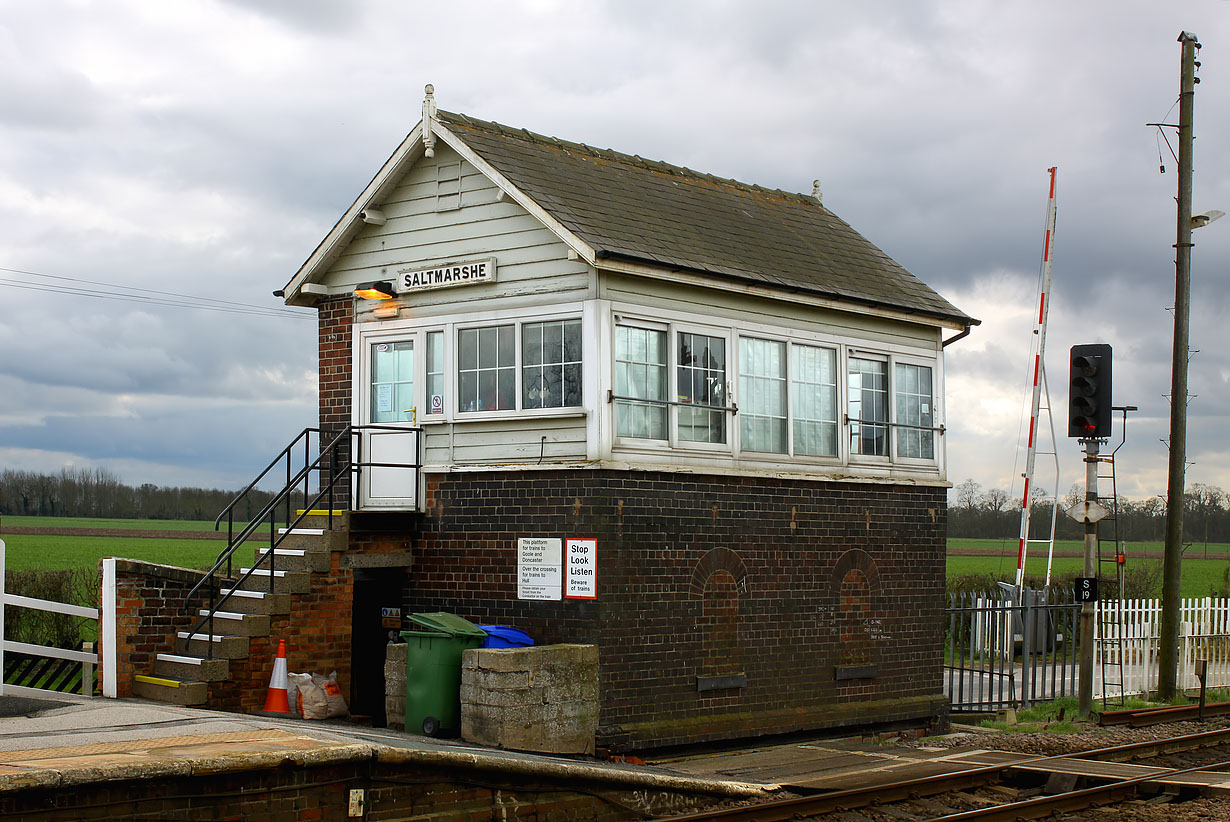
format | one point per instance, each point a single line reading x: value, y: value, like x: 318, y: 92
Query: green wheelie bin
x: 433, y: 670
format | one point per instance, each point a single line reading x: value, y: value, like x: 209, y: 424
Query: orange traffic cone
x: 276, y: 700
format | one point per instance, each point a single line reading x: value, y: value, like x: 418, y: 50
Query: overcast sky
x: 204, y: 148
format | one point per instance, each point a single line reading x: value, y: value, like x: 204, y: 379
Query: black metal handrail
x: 333, y: 464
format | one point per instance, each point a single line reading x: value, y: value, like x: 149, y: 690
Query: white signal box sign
x: 581, y: 569
x: 539, y: 568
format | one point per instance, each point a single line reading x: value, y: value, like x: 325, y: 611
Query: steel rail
x: 784, y: 810
x: 1043, y: 806
x: 1141, y: 717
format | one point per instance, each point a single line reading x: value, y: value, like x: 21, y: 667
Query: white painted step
x: 183, y: 660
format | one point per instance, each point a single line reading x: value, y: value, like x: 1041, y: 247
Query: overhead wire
x: 139, y: 295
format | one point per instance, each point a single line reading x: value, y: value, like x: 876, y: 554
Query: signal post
x: 1089, y: 406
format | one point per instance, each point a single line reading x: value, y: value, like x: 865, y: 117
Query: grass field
x: 47, y: 551
x: 1199, y: 575
x: 89, y: 522
x: 1134, y: 549
x: 25, y: 551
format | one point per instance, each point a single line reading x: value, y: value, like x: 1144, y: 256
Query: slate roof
x: 627, y: 207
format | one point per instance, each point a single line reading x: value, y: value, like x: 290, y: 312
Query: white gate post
x: 107, y: 630
x: 1, y: 617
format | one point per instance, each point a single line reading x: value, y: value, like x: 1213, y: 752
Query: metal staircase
x: 293, y: 536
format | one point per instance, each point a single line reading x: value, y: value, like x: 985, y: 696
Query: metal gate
x: 1009, y: 649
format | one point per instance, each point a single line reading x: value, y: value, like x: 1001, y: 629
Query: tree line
x: 96, y: 492
x: 993, y: 515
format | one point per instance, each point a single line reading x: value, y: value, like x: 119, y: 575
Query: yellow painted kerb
x: 157, y: 680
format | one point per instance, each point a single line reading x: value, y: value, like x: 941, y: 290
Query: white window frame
x: 839, y: 454
x: 935, y: 411
x: 642, y: 442
x: 853, y: 353
x: 842, y: 348
x: 673, y: 329
x: 368, y: 333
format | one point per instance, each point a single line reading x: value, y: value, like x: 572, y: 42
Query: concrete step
x: 284, y: 581
x: 239, y: 624
x: 319, y: 518
x: 255, y: 602
x: 221, y: 646
x: 192, y: 668
x: 173, y: 691
x: 299, y: 559
x: 314, y: 539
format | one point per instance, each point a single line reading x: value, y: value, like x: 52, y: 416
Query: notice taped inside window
x: 540, y: 568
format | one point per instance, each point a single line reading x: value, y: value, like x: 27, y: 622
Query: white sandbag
x: 333, y: 695
x: 312, y: 702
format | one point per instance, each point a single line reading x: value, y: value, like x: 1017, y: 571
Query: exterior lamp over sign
x: 379, y: 290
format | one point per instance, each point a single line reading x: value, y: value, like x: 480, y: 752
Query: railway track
x: 981, y: 793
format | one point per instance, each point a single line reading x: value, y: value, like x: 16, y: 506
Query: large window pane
x: 702, y: 382
x: 640, y: 373
x: 814, y: 391
x: 548, y: 380
x: 485, y: 371
x: 392, y: 388
x: 762, y: 395
x: 868, y: 406
x: 914, y: 408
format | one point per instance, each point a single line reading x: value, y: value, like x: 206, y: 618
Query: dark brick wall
x: 710, y: 576
x: 336, y: 322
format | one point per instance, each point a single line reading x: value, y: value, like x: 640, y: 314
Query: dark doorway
x: 375, y: 590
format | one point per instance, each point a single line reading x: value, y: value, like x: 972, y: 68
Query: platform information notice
x: 540, y: 572
x: 581, y: 568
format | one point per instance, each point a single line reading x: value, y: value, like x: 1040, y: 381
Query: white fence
x: 1128, y: 634
x: 1006, y: 650
x: 86, y: 658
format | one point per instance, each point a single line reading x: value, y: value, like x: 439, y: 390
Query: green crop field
x: 996, y: 547
x: 1200, y: 576
x: 28, y: 551
x: 90, y: 522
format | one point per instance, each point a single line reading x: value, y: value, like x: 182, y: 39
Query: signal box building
x: 695, y: 422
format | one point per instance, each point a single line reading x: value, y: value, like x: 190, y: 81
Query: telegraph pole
x: 1168, y: 650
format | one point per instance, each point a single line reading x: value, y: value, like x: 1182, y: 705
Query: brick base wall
x: 728, y: 606
x: 391, y: 791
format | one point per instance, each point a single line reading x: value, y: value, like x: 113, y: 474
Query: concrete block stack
x: 395, y: 684
x: 541, y: 698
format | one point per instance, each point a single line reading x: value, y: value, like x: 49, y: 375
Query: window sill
x: 497, y: 416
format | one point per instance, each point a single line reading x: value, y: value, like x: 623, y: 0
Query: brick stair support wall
x: 149, y: 613
x: 317, y: 630
x: 728, y: 606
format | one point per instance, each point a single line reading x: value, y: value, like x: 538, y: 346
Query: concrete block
x: 542, y: 698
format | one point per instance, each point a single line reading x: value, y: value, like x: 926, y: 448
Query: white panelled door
x: 387, y: 398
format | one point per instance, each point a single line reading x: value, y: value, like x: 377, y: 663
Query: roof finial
x: 429, y: 116
x: 815, y: 191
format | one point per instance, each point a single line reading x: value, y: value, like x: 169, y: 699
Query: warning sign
x: 390, y: 617
x: 539, y: 568
x: 581, y: 569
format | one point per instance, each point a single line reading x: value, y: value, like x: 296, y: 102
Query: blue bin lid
x: 514, y: 635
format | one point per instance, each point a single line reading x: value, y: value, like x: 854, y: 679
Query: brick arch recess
x: 713, y: 561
